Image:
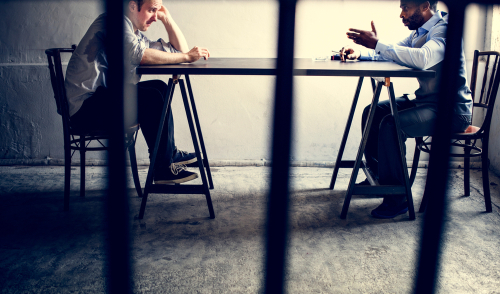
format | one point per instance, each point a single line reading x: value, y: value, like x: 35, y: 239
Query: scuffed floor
x: 176, y: 248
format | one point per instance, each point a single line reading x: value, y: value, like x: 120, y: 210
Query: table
x: 302, y: 67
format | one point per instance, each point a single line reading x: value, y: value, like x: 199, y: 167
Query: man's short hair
x: 433, y: 4
x: 139, y: 4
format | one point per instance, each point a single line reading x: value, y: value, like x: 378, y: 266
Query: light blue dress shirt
x: 424, y: 48
x: 88, y: 65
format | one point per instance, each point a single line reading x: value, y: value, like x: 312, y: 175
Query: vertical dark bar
x: 117, y: 207
x: 277, y: 219
x: 437, y: 177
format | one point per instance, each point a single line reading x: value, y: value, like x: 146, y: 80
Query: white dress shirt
x: 424, y: 48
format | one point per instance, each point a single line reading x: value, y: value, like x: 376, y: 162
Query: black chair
x: 80, y: 139
x: 468, y: 139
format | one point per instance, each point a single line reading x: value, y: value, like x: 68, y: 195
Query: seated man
x: 423, y: 49
x: 89, y: 98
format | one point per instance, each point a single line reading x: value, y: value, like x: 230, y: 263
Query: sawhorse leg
x: 200, y: 135
x: 179, y: 189
x: 338, y: 161
x: 406, y: 189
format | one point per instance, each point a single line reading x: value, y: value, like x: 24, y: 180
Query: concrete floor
x: 176, y: 248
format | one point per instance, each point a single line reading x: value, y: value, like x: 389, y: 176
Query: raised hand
x: 367, y: 39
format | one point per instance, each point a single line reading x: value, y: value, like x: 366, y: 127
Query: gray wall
x: 235, y: 112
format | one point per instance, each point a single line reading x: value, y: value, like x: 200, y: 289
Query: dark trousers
x: 382, y: 147
x: 96, y: 112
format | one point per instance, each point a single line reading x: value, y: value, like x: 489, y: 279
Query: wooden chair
x: 468, y: 139
x: 78, y: 139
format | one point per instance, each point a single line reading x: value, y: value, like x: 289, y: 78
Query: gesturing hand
x: 364, y: 38
x: 196, y: 53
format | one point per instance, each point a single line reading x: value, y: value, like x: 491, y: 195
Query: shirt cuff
x: 380, y: 48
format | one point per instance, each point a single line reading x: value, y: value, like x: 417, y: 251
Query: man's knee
x: 387, y: 123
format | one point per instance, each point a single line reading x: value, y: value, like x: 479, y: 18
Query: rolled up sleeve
x: 160, y: 44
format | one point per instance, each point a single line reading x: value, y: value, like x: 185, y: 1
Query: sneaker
x: 183, y: 157
x: 385, y: 210
x: 176, y: 174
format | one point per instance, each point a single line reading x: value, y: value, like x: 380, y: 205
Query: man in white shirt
x: 423, y: 49
x: 89, y: 98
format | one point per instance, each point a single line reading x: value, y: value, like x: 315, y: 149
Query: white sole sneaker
x: 177, y: 181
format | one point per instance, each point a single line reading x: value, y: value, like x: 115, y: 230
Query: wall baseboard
x: 213, y: 163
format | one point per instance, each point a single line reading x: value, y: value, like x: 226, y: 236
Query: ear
x: 426, y: 6
x: 132, y: 6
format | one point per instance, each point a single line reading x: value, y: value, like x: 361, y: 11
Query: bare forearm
x: 153, y: 56
x: 175, y: 35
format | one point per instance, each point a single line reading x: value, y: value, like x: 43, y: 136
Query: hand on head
x: 196, y: 53
x: 367, y: 39
x: 163, y: 13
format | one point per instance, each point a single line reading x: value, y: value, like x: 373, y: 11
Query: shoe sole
x: 376, y: 215
x: 187, y: 161
x: 177, y: 181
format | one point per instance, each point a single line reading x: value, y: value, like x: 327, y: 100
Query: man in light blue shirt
x: 424, y: 48
x: 89, y: 99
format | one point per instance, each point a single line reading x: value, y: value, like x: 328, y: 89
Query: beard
x: 416, y: 20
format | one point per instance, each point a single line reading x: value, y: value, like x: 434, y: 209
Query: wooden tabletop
x: 303, y: 67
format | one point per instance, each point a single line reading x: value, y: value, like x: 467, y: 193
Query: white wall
x: 235, y: 112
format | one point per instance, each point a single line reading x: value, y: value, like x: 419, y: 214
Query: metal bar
x: 200, y: 135
x: 437, y: 176
x: 402, y: 150
x: 82, y: 166
x: 338, y: 161
x: 149, y: 179
x: 196, y: 148
x: 117, y: 221
x: 361, y: 149
x: 277, y: 215
x: 369, y: 174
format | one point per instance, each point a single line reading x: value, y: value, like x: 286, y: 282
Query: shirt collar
x: 129, y: 23
x: 439, y: 15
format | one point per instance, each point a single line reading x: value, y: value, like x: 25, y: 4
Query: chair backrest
x: 57, y: 80
x: 486, y: 97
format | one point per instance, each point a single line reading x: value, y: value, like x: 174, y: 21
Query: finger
x: 342, y: 57
x: 373, y: 28
x: 353, y: 35
x: 356, y: 30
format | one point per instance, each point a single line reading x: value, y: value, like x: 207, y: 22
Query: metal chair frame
x: 468, y: 139
x: 77, y: 140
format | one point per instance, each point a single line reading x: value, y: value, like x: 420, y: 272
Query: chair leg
x: 82, y: 166
x: 135, y: 173
x: 486, y: 179
x: 467, y: 169
x: 67, y: 176
x: 416, y: 158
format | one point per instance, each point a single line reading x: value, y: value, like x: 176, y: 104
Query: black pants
x: 97, y: 111
x: 382, y: 147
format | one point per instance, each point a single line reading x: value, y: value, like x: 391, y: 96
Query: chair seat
x: 470, y: 130
x: 101, y: 133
